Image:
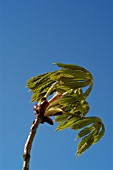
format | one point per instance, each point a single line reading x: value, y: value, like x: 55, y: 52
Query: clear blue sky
x: 33, y: 34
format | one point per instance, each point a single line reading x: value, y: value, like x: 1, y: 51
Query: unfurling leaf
x: 92, y: 133
x: 84, y: 144
x: 85, y: 131
x: 67, y: 124
x: 54, y: 112
x: 99, y: 135
x: 84, y: 122
x: 72, y: 84
x: 73, y: 67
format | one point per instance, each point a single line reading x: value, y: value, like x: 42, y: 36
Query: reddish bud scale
x: 99, y: 123
x: 40, y: 109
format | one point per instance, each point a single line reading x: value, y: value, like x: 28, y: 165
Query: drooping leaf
x: 62, y: 126
x: 87, y: 92
x: 71, y: 77
x: 85, y: 131
x: 75, y: 84
x: 39, y: 81
x: 92, y: 133
x: 67, y: 124
x: 72, y: 67
x: 71, y: 103
x: 99, y: 135
x: 84, y: 122
x: 84, y: 144
x: 62, y: 118
x: 76, y: 74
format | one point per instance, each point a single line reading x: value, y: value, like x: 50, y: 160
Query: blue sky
x: 33, y: 35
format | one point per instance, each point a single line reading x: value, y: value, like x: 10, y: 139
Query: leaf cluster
x: 74, y: 83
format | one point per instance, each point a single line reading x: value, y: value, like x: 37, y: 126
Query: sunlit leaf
x: 84, y: 122
x: 99, y: 136
x: 74, y: 84
x: 85, y: 131
x: 84, y: 144
x: 66, y: 124
x: 54, y: 112
x: 72, y: 67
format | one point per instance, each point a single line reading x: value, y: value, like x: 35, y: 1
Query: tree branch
x: 29, y: 141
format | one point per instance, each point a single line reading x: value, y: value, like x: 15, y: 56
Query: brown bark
x: 29, y: 142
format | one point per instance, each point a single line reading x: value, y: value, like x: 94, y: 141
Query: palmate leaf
x: 84, y: 122
x: 72, y: 77
x: 73, y: 67
x: 85, y: 131
x: 74, y: 83
x: 62, y: 118
x: 36, y: 82
x: 39, y: 85
x: 87, y: 92
x: 67, y: 124
x: 99, y: 135
x: 77, y: 74
x: 87, y: 141
x: 72, y: 103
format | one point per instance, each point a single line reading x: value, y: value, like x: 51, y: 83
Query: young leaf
x: 54, y: 112
x: 71, y: 107
x: 66, y: 124
x: 88, y: 91
x: 62, y: 118
x: 85, y: 131
x: 76, y: 74
x: 86, y: 143
x: 73, y: 84
x: 84, y: 122
x: 72, y: 67
x: 99, y: 135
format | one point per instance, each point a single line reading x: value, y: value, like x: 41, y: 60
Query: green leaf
x: 66, y: 124
x: 72, y: 67
x: 76, y: 74
x: 99, y: 136
x: 54, y: 112
x: 38, y: 81
x: 37, y: 96
x: 33, y: 80
x: 88, y: 140
x: 73, y: 84
x: 62, y: 118
x: 84, y: 122
x: 73, y: 77
x: 88, y: 91
x: 84, y: 144
x: 62, y: 126
x: 85, y: 131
